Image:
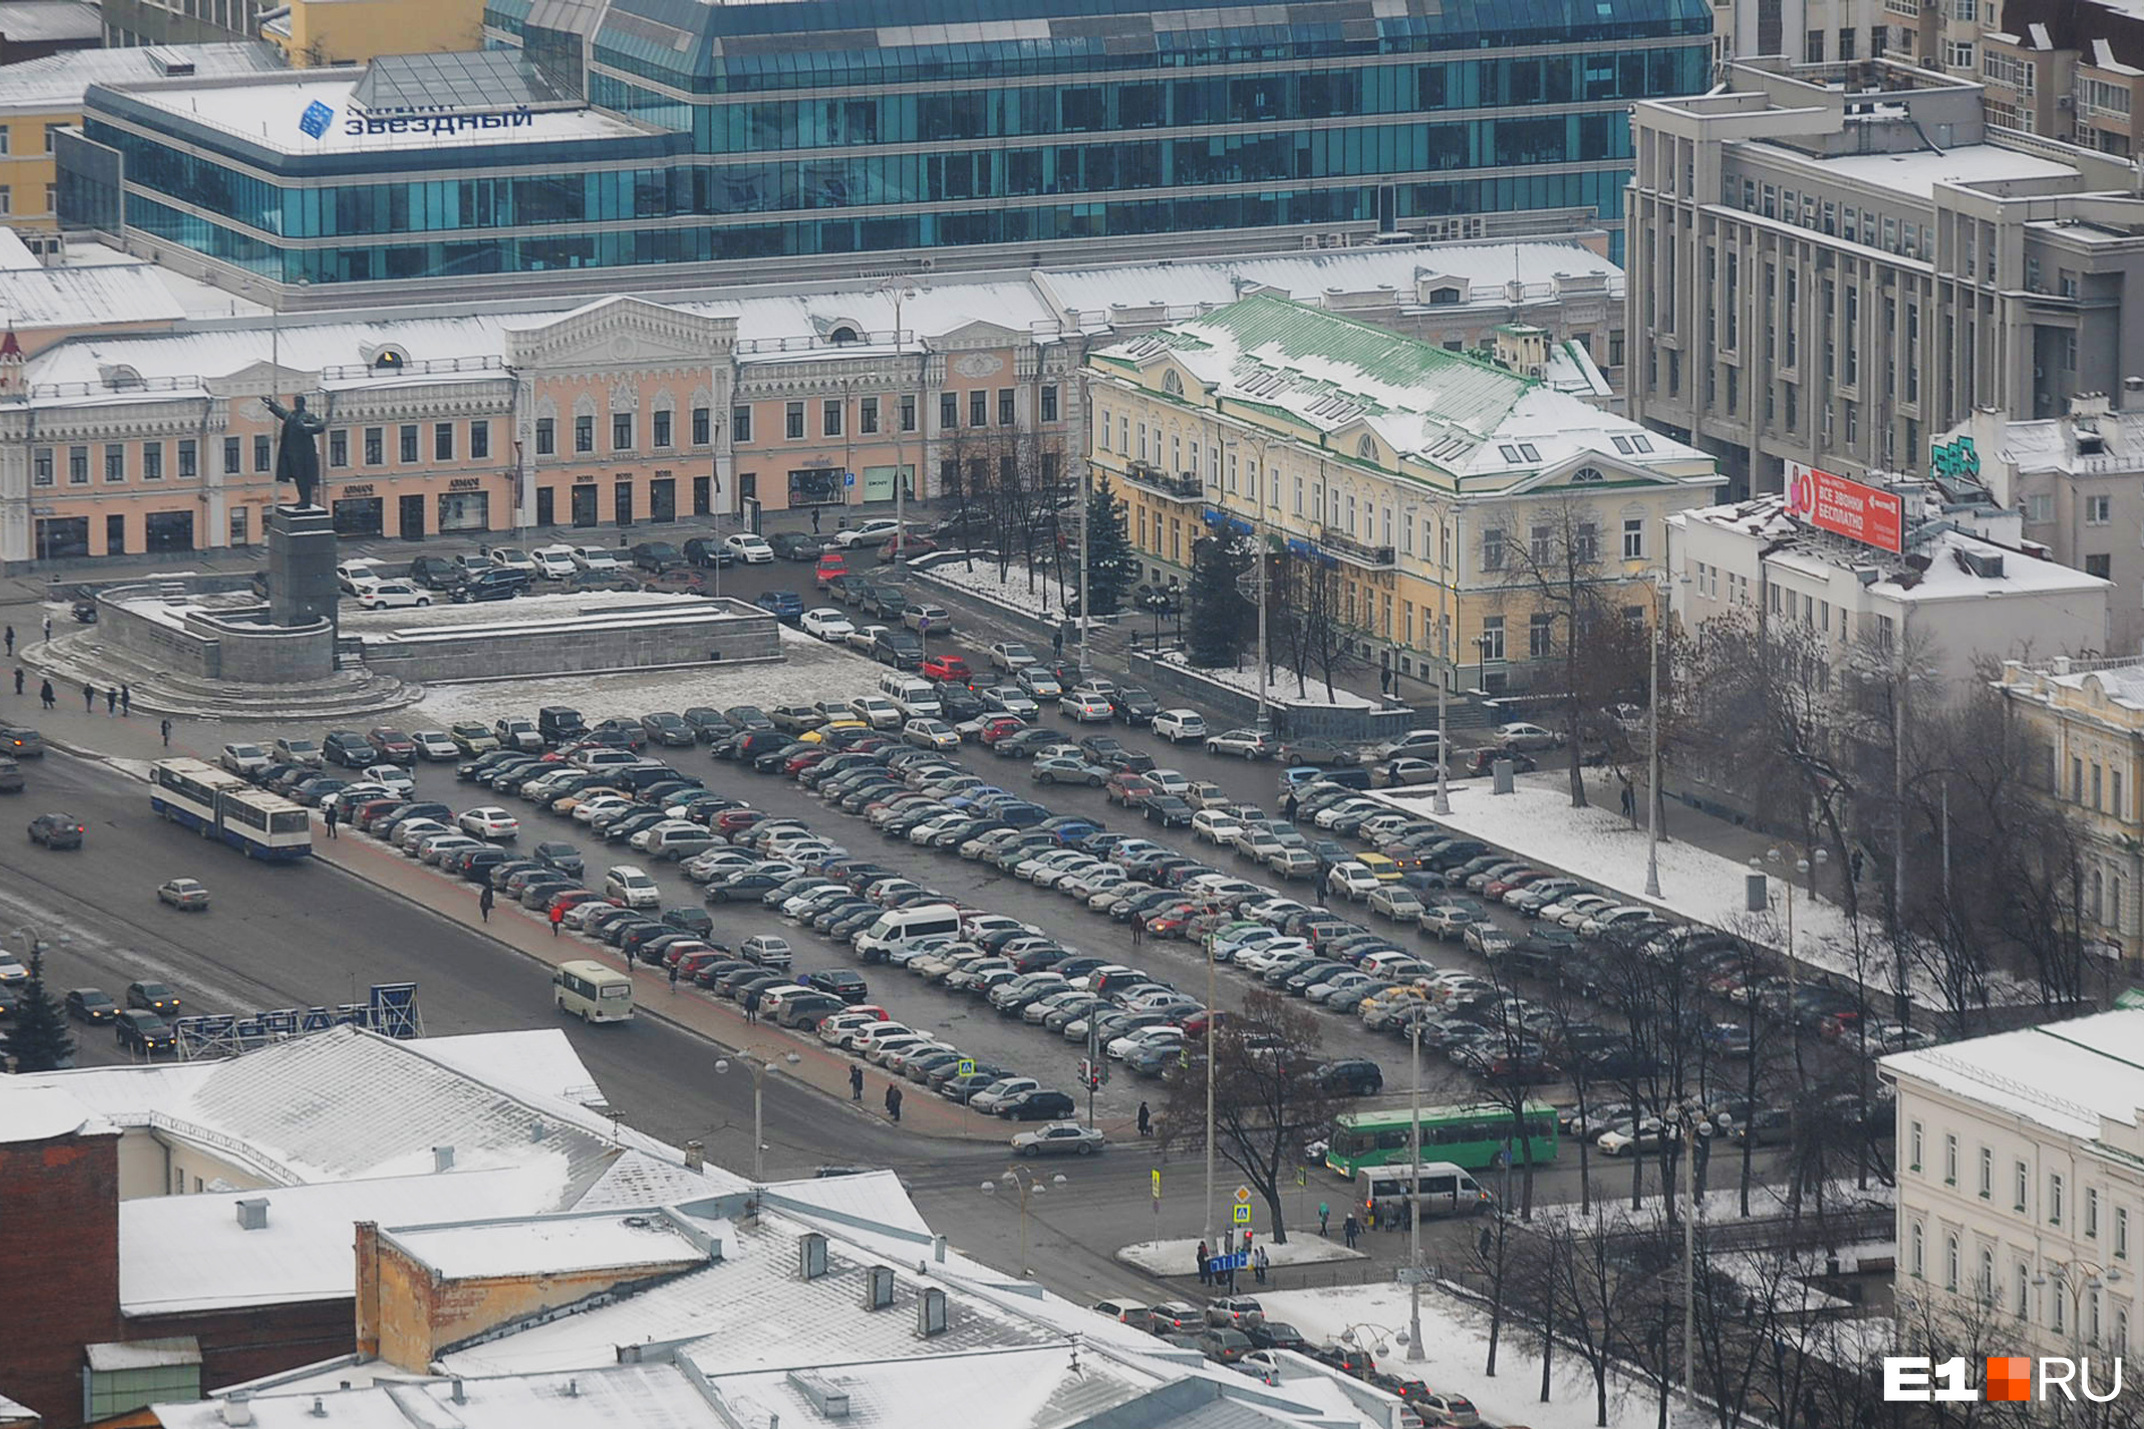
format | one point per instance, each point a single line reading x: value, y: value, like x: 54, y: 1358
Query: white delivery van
x: 899, y: 928
x: 915, y: 697
x: 1447, y: 1190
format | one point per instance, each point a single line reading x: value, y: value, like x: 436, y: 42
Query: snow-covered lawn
x: 810, y: 670
x: 1179, y: 1257
x: 1031, y: 593
x: 1600, y: 846
x: 516, y: 614
x: 1280, y: 685
x: 1455, y: 1336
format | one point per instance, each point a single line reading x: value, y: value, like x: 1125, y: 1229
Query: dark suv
x: 557, y: 723
x: 498, y: 583
x: 436, y: 572
x: 901, y: 649
x: 656, y: 556
x: 348, y: 748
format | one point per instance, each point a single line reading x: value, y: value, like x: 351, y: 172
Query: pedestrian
x: 48, y: 630
x: 111, y: 699
x: 1138, y: 929
x: 1259, y: 1262
x: 1290, y: 807
x: 1205, y: 1270
x: 89, y: 698
x: 893, y: 1102
x: 1483, y: 1242
x: 166, y: 730
x: 1349, y: 1229
x: 18, y: 679
x: 815, y: 520
x: 1057, y: 642
x: 1853, y: 863
x: 484, y: 901
x: 126, y: 701
x: 1146, y: 1121
x: 558, y: 916
x: 751, y: 1012
x: 45, y: 695
x: 673, y: 977
x: 332, y: 814
x: 11, y: 642
x: 1630, y: 802
x: 1325, y: 1220
x: 856, y: 1084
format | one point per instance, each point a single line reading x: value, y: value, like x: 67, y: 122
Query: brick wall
x: 238, y: 1345
x: 60, y: 1264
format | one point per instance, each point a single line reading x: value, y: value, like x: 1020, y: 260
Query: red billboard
x: 1845, y: 508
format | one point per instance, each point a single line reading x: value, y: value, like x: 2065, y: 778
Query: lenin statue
x: 297, y: 458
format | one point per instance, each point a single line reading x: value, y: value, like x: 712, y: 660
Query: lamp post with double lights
x: 1414, y: 1209
x: 899, y: 291
x: 1802, y: 868
x: 758, y: 1064
x: 1026, y: 1183
x: 1688, y: 1121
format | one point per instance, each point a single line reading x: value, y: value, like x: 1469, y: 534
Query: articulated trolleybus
x: 217, y: 804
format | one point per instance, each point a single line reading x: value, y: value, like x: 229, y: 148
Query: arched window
x: 390, y: 359
x: 1950, y: 1263
x: 1172, y: 384
x: 1987, y: 1274
x: 1916, y: 1263
x: 1586, y: 474
x: 1366, y: 448
x: 844, y: 333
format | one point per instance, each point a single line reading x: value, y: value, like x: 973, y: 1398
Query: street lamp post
x: 758, y: 1065
x: 1801, y: 869
x: 1027, y: 1183
x: 1212, y: 1004
x: 900, y: 292
x: 1414, y: 1209
x: 1688, y: 1119
x: 2089, y: 1276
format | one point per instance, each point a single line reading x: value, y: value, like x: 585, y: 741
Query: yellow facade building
x: 1429, y: 480
x: 314, y: 34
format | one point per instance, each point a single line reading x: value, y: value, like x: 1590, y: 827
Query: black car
x: 1355, y: 1077
x: 56, y: 831
x: 144, y: 1032
x: 498, y: 583
x: 1038, y: 1105
x: 706, y: 551
x: 901, y: 649
x: 563, y: 857
x: 1134, y: 706
x: 435, y: 572
x: 841, y: 983
x: 747, y: 718
x: 695, y: 921
x: 558, y: 723
x: 1168, y: 811
x: 656, y: 556
x: 796, y: 545
x: 348, y: 748
x: 91, y: 1004
x: 667, y: 728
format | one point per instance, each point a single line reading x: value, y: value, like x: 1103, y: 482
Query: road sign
x: 1157, y: 1183
x: 1241, y: 1215
x: 1302, y: 1176
x: 1222, y: 1264
x: 848, y: 478
x: 967, y: 1066
x: 1243, y: 1195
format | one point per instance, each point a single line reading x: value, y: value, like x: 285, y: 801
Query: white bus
x: 263, y: 825
x: 595, y: 992
x: 185, y: 790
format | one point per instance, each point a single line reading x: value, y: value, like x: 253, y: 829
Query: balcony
x: 1355, y: 553
x: 1184, y: 486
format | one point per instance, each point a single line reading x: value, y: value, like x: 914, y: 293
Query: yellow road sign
x: 1240, y: 1214
x: 1243, y: 1195
x: 967, y: 1066
x: 1157, y: 1183
x: 1302, y: 1176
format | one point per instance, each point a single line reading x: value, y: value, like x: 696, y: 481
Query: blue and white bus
x: 217, y: 804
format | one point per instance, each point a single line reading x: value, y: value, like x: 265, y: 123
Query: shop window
x: 168, y: 531
x: 241, y: 525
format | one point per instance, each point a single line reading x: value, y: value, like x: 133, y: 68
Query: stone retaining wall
x: 720, y: 631
x: 230, y: 645
x: 1225, y: 702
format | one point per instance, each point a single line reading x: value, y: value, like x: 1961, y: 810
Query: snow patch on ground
x: 1455, y: 1336
x: 1032, y: 593
x: 1180, y: 1257
x: 1280, y: 686
x: 515, y: 614
x: 810, y: 670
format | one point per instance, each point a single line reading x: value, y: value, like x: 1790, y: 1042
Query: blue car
x: 782, y: 604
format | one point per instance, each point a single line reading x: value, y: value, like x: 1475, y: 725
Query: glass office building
x: 760, y: 134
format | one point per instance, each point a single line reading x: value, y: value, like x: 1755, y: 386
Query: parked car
x: 391, y: 595
x: 749, y: 547
x: 1059, y: 1138
x: 1241, y: 743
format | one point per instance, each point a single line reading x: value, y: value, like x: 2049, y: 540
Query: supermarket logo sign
x: 2010, y: 1379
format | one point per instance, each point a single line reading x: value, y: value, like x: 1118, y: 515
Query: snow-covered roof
x: 188, y: 1253
x: 2118, y: 684
x: 1459, y: 413
x: 34, y: 1112
x: 1016, y: 1389
x: 642, y: 1396
x: 2065, y: 1076
x: 35, y: 297
x: 56, y: 83
x: 547, y: 1245
x: 27, y: 22
x: 1915, y: 175
x: 2050, y: 444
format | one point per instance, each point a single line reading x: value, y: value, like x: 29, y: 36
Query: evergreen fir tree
x: 1214, y: 609
x: 1111, y: 561
x: 40, y: 1040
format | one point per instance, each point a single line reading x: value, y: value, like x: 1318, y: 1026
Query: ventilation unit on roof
x: 878, y: 1287
x: 829, y: 1399
x: 253, y: 1213
x: 442, y: 1158
x: 930, y: 1312
x: 170, y: 64
x: 1988, y: 565
x: 1867, y: 575
x: 811, y: 1256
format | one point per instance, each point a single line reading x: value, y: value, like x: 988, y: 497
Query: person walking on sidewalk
x: 1138, y: 929
x: 558, y: 916
x: 18, y: 679
x: 856, y: 1084
x: 331, y: 814
x: 1325, y: 1220
x: 815, y: 520
x: 893, y: 1102
x: 126, y: 701
x: 165, y: 730
x: 45, y: 695
x: 1349, y: 1229
x: 484, y: 900
x: 751, y: 1011
x: 89, y: 698
x: 673, y: 977
x: 1146, y: 1120
x: 1259, y: 1262
x: 48, y: 630
x: 11, y: 642
x: 111, y: 699
x: 1205, y: 1271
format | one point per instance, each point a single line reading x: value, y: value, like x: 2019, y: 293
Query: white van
x: 1447, y: 1190
x: 592, y: 992
x: 915, y: 697
x: 898, y: 928
x: 632, y: 887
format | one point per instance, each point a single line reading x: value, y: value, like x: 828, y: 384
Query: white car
x: 389, y: 595
x: 632, y: 887
x: 432, y: 849
x: 750, y: 548
x: 554, y: 563
x: 1088, y: 709
x: 1179, y: 726
x: 587, y: 810
x: 877, y: 711
x: 1351, y: 879
x: 1215, y: 827
x: 596, y: 560
x: 244, y: 760
x: 434, y: 744
x: 1167, y: 1039
x: 1527, y: 737
x: 930, y: 734
x: 1002, y: 1090
x: 361, y: 571
x: 394, y: 776
x: 864, y: 637
x: 490, y: 822
x: 508, y: 558
x: 866, y: 533
x: 827, y: 623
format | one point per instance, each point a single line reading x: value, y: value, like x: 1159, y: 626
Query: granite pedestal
x: 301, y: 566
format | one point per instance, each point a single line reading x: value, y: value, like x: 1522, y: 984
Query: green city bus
x: 1468, y: 1136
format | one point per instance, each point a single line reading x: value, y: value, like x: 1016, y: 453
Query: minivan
x: 632, y: 887
x: 899, y: 928
x: 915, y: 696
x: 1446, y: 1190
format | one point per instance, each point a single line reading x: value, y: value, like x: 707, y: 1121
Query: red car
x: 1504, y: 885
x: 731, y: 821
x: 902, y: 547
x: 832, y: 567
x: 806, y: 760
x: 1130, y: 790
x: 573, y: 897
x: 947, y: 667
x: 1002, y: 727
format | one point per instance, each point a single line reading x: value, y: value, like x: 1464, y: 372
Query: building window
x: 702, y: 422
x: 1913, y: 1144
x: 1049, y: 403
x: 908, y: 416
x: 867, y: 416
x: 152, y: 461
x: 1986, y: 1285
x: 1813, y: 47
x: 2098, y: 510
x: 241, y: 524
x: 115, y: 462
x: 1492, y: 637
x: 1492, y: 550
x: 1540, y: 636
x: 338, y: 448
x: 189, y: 459
x: 480, y: 440
x: 979, y: 408
x: 546, y: 436
x: 1005, y: 406
x: 442, y: 441
x: 41, y: 467
x: 264, y: 459
x: 1917, y: 1257
x: 1538, y: 543
x: 1987, y: 1173
x: 949, y: 414
x: 621, y: 431
x: 830, y: 419
x: 2091, y: 1211
x: 741, y: 424
x: 793, y: 418
x: 1950, y: 1160
x: 584, y: 433
x: 52, y: 134
x: 2024, y: 1293
x: 2054, y: 1198
x: 1634, y: 538
x: 2023, y: 1181
x: 78, y: 466
x: 407, y: 438
x: 2121, y: 1232
x: 231, y: 459
x: 1950, y: 1263
x: 662, y: 427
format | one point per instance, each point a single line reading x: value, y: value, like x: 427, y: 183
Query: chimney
x: 811, y: 1255
x: 459, y: 1396
x: 938, y: 1249
x: 253, y: 1213
x: 236, y: 1410
x: 442, y: 1158
x: 537, y: 1130
x: 695, y: 1156
x: 878, y: 1287
x: 930, y: 1313
x: 2132, y: 394
x: 11, y: 361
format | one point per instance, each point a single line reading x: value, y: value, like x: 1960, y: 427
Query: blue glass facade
x: 830, y: 127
